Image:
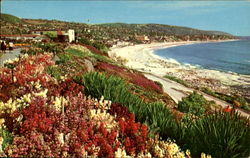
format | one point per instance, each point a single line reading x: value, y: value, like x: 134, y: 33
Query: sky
x: 228, y: 16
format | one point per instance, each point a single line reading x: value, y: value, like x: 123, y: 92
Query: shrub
x: 64, y: 57
x: 194, y: 104
x: 220, y: 134
x: 176, y: 80
x: 7, y: 137
x: 50, y: 47
x: 54, y: 72
x: 235, y: 100
x: 85, y: 41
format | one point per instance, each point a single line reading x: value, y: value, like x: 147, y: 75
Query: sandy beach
x: 142, y: 58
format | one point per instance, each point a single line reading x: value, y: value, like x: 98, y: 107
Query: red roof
x: 59, y: 32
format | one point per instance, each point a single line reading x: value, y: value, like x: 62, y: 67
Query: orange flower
x: 227, y: 109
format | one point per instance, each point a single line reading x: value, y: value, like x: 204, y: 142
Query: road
x: 177, y: 91
x: 9, y: 55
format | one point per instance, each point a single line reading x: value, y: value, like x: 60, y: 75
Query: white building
x: 71, y: 35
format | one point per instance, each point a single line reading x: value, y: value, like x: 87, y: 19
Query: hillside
x: 10, y: 18
x: 163, y: 29
x: 110, y: 33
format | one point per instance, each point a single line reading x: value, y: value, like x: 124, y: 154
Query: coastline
x: 141, y: 57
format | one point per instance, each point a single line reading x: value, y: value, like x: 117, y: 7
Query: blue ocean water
x: 230, y: 56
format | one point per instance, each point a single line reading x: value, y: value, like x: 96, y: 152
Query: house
x: 142, y: 38
x: 62, y: 36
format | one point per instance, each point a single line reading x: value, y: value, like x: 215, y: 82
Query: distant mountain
x: 244, y: 37
x: 165, y: 29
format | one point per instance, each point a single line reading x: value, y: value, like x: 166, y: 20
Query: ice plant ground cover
x: 41, y: 115
x: 45, y: 117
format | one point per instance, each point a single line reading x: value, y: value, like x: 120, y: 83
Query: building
x: 142, y: 38
x: 62, y: 36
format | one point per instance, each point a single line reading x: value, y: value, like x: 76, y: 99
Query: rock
x: 56, y: 58
x: 89, y: 66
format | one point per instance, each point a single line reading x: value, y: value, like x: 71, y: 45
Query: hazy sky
x: 229, y: 16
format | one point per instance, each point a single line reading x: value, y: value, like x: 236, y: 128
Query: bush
x: 64, y: 57
x: 50, y: 47
x: 194, y: 104
x: 85, y: 41
x: 176, y: 80
x: 7, y: 137
x: 99, y: 46
x: 54, y: 72
x: 220, y: 134
x: 235, y: 100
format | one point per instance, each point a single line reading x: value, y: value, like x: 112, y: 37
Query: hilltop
x: 111, y: 33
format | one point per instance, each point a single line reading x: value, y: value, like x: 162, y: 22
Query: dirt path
x: 176, y: 91
x: 9, y: 55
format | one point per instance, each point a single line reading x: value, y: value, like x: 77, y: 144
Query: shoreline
x: 141, y: 57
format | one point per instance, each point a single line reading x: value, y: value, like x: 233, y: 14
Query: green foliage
x: 210, y: 134
x: 64, y: 57
x: 230, y: 99
x: 194, y: 104
x: 176, y: 80
x: 30, y: 51
x: 220, y: 134
x: 50, y: 47
x: 51, y: 35
x: 159, y: 83
x: 85, y: 41
x: 243, y: 103
x: 79, y: 53
x: 99, y: 46
x: 7, y: 137
x: 156, y: 115
x: 10, y: 18
x: 54, y: 72
x: 76, y: 52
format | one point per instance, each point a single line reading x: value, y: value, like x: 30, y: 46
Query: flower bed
x: 135, y: 78
x: 44, y: 117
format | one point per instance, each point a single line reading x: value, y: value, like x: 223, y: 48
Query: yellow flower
x: 1, y: 122
x: 1, y: 143
x: 42, y: 93
x: 188, y: 152
x: 59, y: 102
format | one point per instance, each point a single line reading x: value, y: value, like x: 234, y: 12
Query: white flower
x: 120, y: 153
x: 59, y: 102
x: 61, y: 138
x: 42, y: 93
x: 1, y: 143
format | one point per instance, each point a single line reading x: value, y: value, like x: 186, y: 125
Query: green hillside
x: 10, y: 18
x: 109, y: 33
x: 163, y: 29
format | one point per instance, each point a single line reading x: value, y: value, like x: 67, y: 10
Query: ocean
x: 229, y: 56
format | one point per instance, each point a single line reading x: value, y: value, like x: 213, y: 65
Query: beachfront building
x: 142, y: 38
x: 61, y: 35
